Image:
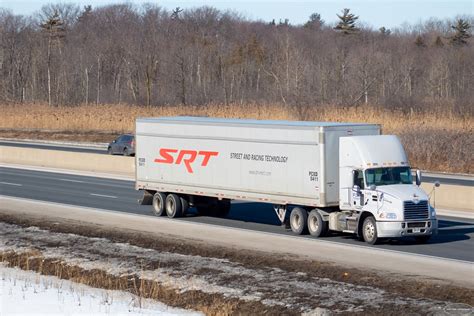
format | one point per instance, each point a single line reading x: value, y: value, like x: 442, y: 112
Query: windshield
x: 389, y: 175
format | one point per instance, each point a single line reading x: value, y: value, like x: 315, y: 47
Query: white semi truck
x: 343, y: 177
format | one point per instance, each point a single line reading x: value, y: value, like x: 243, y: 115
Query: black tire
x: 174, y: 207
x: 317, y: 227
x: 184, y: 206
x: 125, y: 151
x: 159, y: 202
x: 109, y: 151
x: 369, y: 230
x: 422, y: 239
x: 299, y: 221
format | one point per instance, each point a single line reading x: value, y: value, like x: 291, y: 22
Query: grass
x: 439, y: 140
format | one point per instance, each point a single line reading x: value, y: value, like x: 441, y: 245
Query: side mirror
x: 437, y: 184
x: 418, y: 177
x: 114, y: 141
x: 356, y: 188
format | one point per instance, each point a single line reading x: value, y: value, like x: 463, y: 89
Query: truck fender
x: 360, y: 221
x: 324, y: 214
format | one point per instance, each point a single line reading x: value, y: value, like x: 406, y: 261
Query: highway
x: 455, y: 239
x: 102, y: 149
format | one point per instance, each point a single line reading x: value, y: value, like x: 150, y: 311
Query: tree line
x: 67, y: 55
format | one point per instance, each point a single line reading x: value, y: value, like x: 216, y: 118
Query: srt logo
x: 185, y: 156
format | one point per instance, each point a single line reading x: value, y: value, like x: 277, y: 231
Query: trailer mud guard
x: 147, y: 198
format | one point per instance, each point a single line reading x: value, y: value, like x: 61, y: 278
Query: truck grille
x: 415, y: 211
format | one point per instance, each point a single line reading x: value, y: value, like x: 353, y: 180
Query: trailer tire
x: 299, y: 221
x: 369, y: 230
x: 159, y: 202
x: 317, y: 227
x: 174, y: 207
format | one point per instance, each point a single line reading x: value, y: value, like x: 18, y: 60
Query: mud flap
x: 147, y: 198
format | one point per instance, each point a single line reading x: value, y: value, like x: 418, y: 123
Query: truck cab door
x: 357, y: 196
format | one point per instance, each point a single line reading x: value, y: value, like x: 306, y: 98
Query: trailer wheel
x: 317, y: 227
x: 299, y: 221
x: 184, y: 206
x: 369, y: 230
x: 159, y: 202
x: 174, y: 207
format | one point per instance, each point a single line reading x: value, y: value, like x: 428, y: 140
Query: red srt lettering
x: 185, y: 156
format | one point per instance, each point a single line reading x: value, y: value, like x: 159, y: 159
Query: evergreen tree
x: 315, y: 21
x: 54, y: 28
x: 384, y: 31
x: 438, y: 42
x: 347, y: 25
x: 419, y: 41
x: 461, y: 33
x: 85, y: 15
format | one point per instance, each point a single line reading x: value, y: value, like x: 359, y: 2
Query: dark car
x: 123, y: 145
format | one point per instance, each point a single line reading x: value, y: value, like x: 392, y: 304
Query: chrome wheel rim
x: 369, y: 230
x: 157, y: 206
x: 296, y: 221
x: 170, y: 207
x: 313, y: 223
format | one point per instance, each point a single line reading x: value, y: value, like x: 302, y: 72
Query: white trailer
x: 332, y: 176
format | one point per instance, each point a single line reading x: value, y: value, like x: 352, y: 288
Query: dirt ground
x: 217, y: 280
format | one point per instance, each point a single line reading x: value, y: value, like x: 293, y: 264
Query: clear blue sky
x: 377, y: 13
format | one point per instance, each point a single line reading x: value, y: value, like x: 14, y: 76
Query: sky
x: 375, y: 13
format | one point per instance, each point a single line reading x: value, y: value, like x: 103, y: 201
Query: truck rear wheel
x: 317, y: 227
x: 159, y: 203
x: 369, y: 230
x: 299, y: 221
x: 174, y: 207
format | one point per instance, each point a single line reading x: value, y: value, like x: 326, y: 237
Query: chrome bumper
x: 410, y: 228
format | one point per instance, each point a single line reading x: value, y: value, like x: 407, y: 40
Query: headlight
x: 433, y: 212
x: 388, y: 215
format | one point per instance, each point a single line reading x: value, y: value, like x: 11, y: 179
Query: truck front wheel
x: 159, y: 203
x: 317, y: 227
x: 299, y: 220
x: 174, y: 207
x: 369, y: 230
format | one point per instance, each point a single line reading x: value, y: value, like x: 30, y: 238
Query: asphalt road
x: 454, y: 241
x: 431, y: 177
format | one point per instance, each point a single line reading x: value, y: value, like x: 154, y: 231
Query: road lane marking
x: 9, y: 183
x: 71, y: 180
x: 103, y: 195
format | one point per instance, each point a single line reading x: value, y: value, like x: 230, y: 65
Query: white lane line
x: 70, y: 180
x: 9, y: 183
x: 103, y: 195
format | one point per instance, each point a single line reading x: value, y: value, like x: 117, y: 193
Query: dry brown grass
x: 209, y: 304
x: 437, y: 140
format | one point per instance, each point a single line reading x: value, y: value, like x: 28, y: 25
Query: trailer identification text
x: 187, y: 157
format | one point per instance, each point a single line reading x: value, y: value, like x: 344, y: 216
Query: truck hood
x: 403, y: 192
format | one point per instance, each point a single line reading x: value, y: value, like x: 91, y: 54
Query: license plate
x: 416, y: 230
